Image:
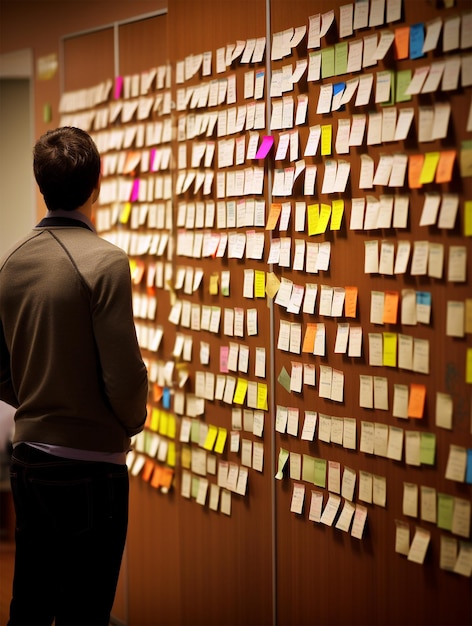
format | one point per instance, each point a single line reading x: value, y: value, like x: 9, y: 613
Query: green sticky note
x: 283, y: 456
x: 403, y: 81
x: 320, y: 472
x: 195, y: 431
x: 340, y: 58
x: 427, y: 448
x: 445, y: 511
x: 308, y: 469
x: 391, y: 100
x: 284, y: 379
x: 195, y: 486
x: 327, y: 62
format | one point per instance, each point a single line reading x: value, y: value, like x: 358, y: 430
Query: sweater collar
x: 67, y: 218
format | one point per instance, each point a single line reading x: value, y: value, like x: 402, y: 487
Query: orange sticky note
x: 350, y: 301
x: 166, y: 477
x: 147, y: 470
x: 309, y: 339
x: 402, y: 42
x: 274, y: 214
x: 445, y: 165
x: 416, y: 401
x: 156, y: 477
x: 390, y: 307
x: 415, y: 167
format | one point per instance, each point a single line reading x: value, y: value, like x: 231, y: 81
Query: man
x: 71, y: 365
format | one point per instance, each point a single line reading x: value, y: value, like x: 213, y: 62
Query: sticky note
x: 240, y: 391
x: 274, y: 214
x: 390, y: 309
x: 468, y: 366
x: 389, y: 357
x: 428, y: 171
x: 326, y: 136
x: 350, y: 301
x: 416, y: 400
x: 468, y: 218
x: 415, y: 167
x: 309, y: 339
x: 210, y: 439
x: 445, y: 166
x: 445, y: 511
x: 416, y: 41
x: 259, y: 284
x: 427, y: 448
x: 320, y: 472
x: 221, y: 440
x: 313, y: 211
x: 125, y: 213
x: 266, y: 145
x: 262, y: 396
x: 337, y: 211
x: 402, y: 42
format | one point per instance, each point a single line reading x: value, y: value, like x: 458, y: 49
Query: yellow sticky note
x: 171, y: 426
x: 468, y: 218
x: 163, y: 423
x: 262, y: 396
x: 468, y: 367
x: 213, y: 288
x: 272, y: 285
x: 221, y: 440
x: 154, y: 420
x: 212, y: 433
x: 389, y: 349
x: 240, y: 392
x: 171, y: 454
x: 186, y: 457
x: 337, y: 211
x: 325, y: 214
x: 125, y: 213
x: 326, y: 135
x: 313, y: 212
x: 428, y: 171
x: 274, y: 214
x: 259, y: 284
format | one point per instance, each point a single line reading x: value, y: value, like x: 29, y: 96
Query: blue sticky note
x: 337, y: 87
x: 416, y: 41
x: 423, y: 297
x: 166, y: 398
x: 468, y: 472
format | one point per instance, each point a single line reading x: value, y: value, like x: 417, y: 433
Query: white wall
x: 17, y: 198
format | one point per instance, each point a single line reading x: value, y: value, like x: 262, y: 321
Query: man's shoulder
x: 18, y: 246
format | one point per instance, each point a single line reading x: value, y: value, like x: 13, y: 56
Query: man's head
x: 66, y: 166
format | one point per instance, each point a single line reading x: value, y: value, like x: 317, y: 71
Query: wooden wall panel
x: 187, y: 564
x: 348, y: 581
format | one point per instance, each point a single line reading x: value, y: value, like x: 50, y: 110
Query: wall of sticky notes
x: 292, y: 182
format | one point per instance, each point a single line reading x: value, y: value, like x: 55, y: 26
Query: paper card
x: 360, y: 518
x: 456, y: 463
x: 366, y: 391
x: 316, y: 506
x: 402, y: 537
x: 330, y: 510
x: 419, y: 546
x: 444, y: 410
x: 410, y: 499
x: 298, y: 498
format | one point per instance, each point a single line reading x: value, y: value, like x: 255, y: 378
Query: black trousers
x: 71, y: 524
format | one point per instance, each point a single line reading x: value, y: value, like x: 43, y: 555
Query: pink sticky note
x: 118, y: 87
x: 265, y: 146
x: 135, y: 190
x: 224, y: 352
x: 152, y: 157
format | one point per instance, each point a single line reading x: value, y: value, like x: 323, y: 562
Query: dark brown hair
x: 66, y: 165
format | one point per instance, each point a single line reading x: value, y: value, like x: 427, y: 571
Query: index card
x: 367, y: 172
x: 356, y: 135
x: 402, y: 537
x: 380, y: 439
x: 365, y: 486
x: 395, y: 443
x: 456, y: 463
x: 444, y: 410
x: 375, y: 349
x: 355, y: 341
x: 380, y: 393
x: 298, y: 497
x: 419, y: 546
x: 456, y: 271
x: 371, y: 259
x: 450, y: 77
x: 366, y: 392
x: 330, y: 510
x: 410, y: 499
x: 367, y: 437
x: 364, y: 89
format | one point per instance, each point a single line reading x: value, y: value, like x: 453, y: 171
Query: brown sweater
x: 69, y: 358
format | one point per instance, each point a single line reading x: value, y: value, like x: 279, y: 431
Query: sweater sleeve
x: 122, y: 368
x: 7, y: 393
